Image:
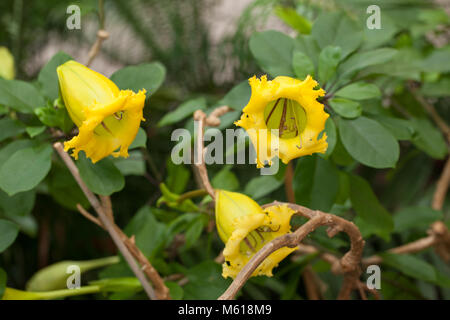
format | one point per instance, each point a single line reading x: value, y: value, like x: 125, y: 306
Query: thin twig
x: 442, y: 187
x: 192, y: 194
x: 89, y: 216
x: 438, y: 228
x: 213, y: 120
x: 288, y: 180
x: 108, y: 225
x: 102, y: 35
x: 162, y: 292
x: 431, y: 110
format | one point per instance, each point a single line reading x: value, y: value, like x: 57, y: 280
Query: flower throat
x: 287, y: 116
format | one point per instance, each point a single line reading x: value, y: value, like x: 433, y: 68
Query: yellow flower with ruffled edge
x: 108, y: 119
x: 283, y: 118
x: 245, y: 228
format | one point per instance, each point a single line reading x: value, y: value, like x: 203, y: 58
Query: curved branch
x: 349, y: 263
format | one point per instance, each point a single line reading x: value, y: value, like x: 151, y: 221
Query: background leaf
x: 328, y: 61
x: 359, y: 91
x: 302, y: 65
x: 102, y: 177
x: 316, y: 183
x: 20, y: 95
x: 335, y: 28
x: 148, y: 76
x: 369, y: 209
x: 273, y: 52
x: 25, y: 169
x: 8, y: 233
x: 346, y: 108
x: 369, y: 143
x: 48, y: 78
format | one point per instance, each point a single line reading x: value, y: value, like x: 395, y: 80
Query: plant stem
x: 105, y: 221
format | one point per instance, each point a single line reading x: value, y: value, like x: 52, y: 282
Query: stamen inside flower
x: 287, y: 116
x: 110, y: 124
x: 257, y: 238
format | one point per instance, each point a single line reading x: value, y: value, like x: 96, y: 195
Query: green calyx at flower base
x: 107, y: 118
x: 283, y: 118
x: 245, y: 228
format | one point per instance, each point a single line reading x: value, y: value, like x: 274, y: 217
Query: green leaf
x: 400, y: 128
x: 438, y: 60
x: 376, y: 37
x: 302, y: 65
x: 19, y: 95
x: 309, y: 46
x: 361, y: 60
x: 225, y: 180
x: 440, y: 88
x: 8, y: 233
x: 194, y: 231
x: 261, y: 186
x: 328, y: 61
x: 20, y: 204
x: 48, y: 78
x: 102, y: 177
x: 369, y: 209
x: 273, y: 52
x: 176, y: 291
x: 27, y: 224
x: 406, y: 64
x: 238, y: 97
x: 10, y: 128
x: 3, y: 278
x: 293, y: 19
x: 428, y: 138
x: 140, y: 141
x: 316, y: 183
x: 415, y: 217
x: 150, y: 234
x: 330, y: 130
x: 411, y: 266
x: 346, y: 108
x: 359, y: 91
x: 337, y: 29
x: 35, y: 131
x: 148, y: 76
x: 177, y: 177
x: 183, y: 111
x: 205, y: 282
x: 16, y: 145
x: 64, y: 189
x: 54, y: 117
x: 369, y: 142
x: 133, y: 165
x: 171, y: 200
x: 25, y: 169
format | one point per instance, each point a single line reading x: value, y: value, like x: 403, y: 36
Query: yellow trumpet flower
x: 6, y: 64
x: 284, y: 118
x: 245, y: 228
x: 108, y: 119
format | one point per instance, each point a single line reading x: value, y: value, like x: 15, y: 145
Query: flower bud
x: 245, y: 228
x: 108, y: 119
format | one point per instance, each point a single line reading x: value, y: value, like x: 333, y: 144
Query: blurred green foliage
x: 380, y: 171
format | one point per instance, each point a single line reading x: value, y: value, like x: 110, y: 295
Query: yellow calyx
x: 283, y: 118
x: 108, y: 119
x: 245, y: 228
